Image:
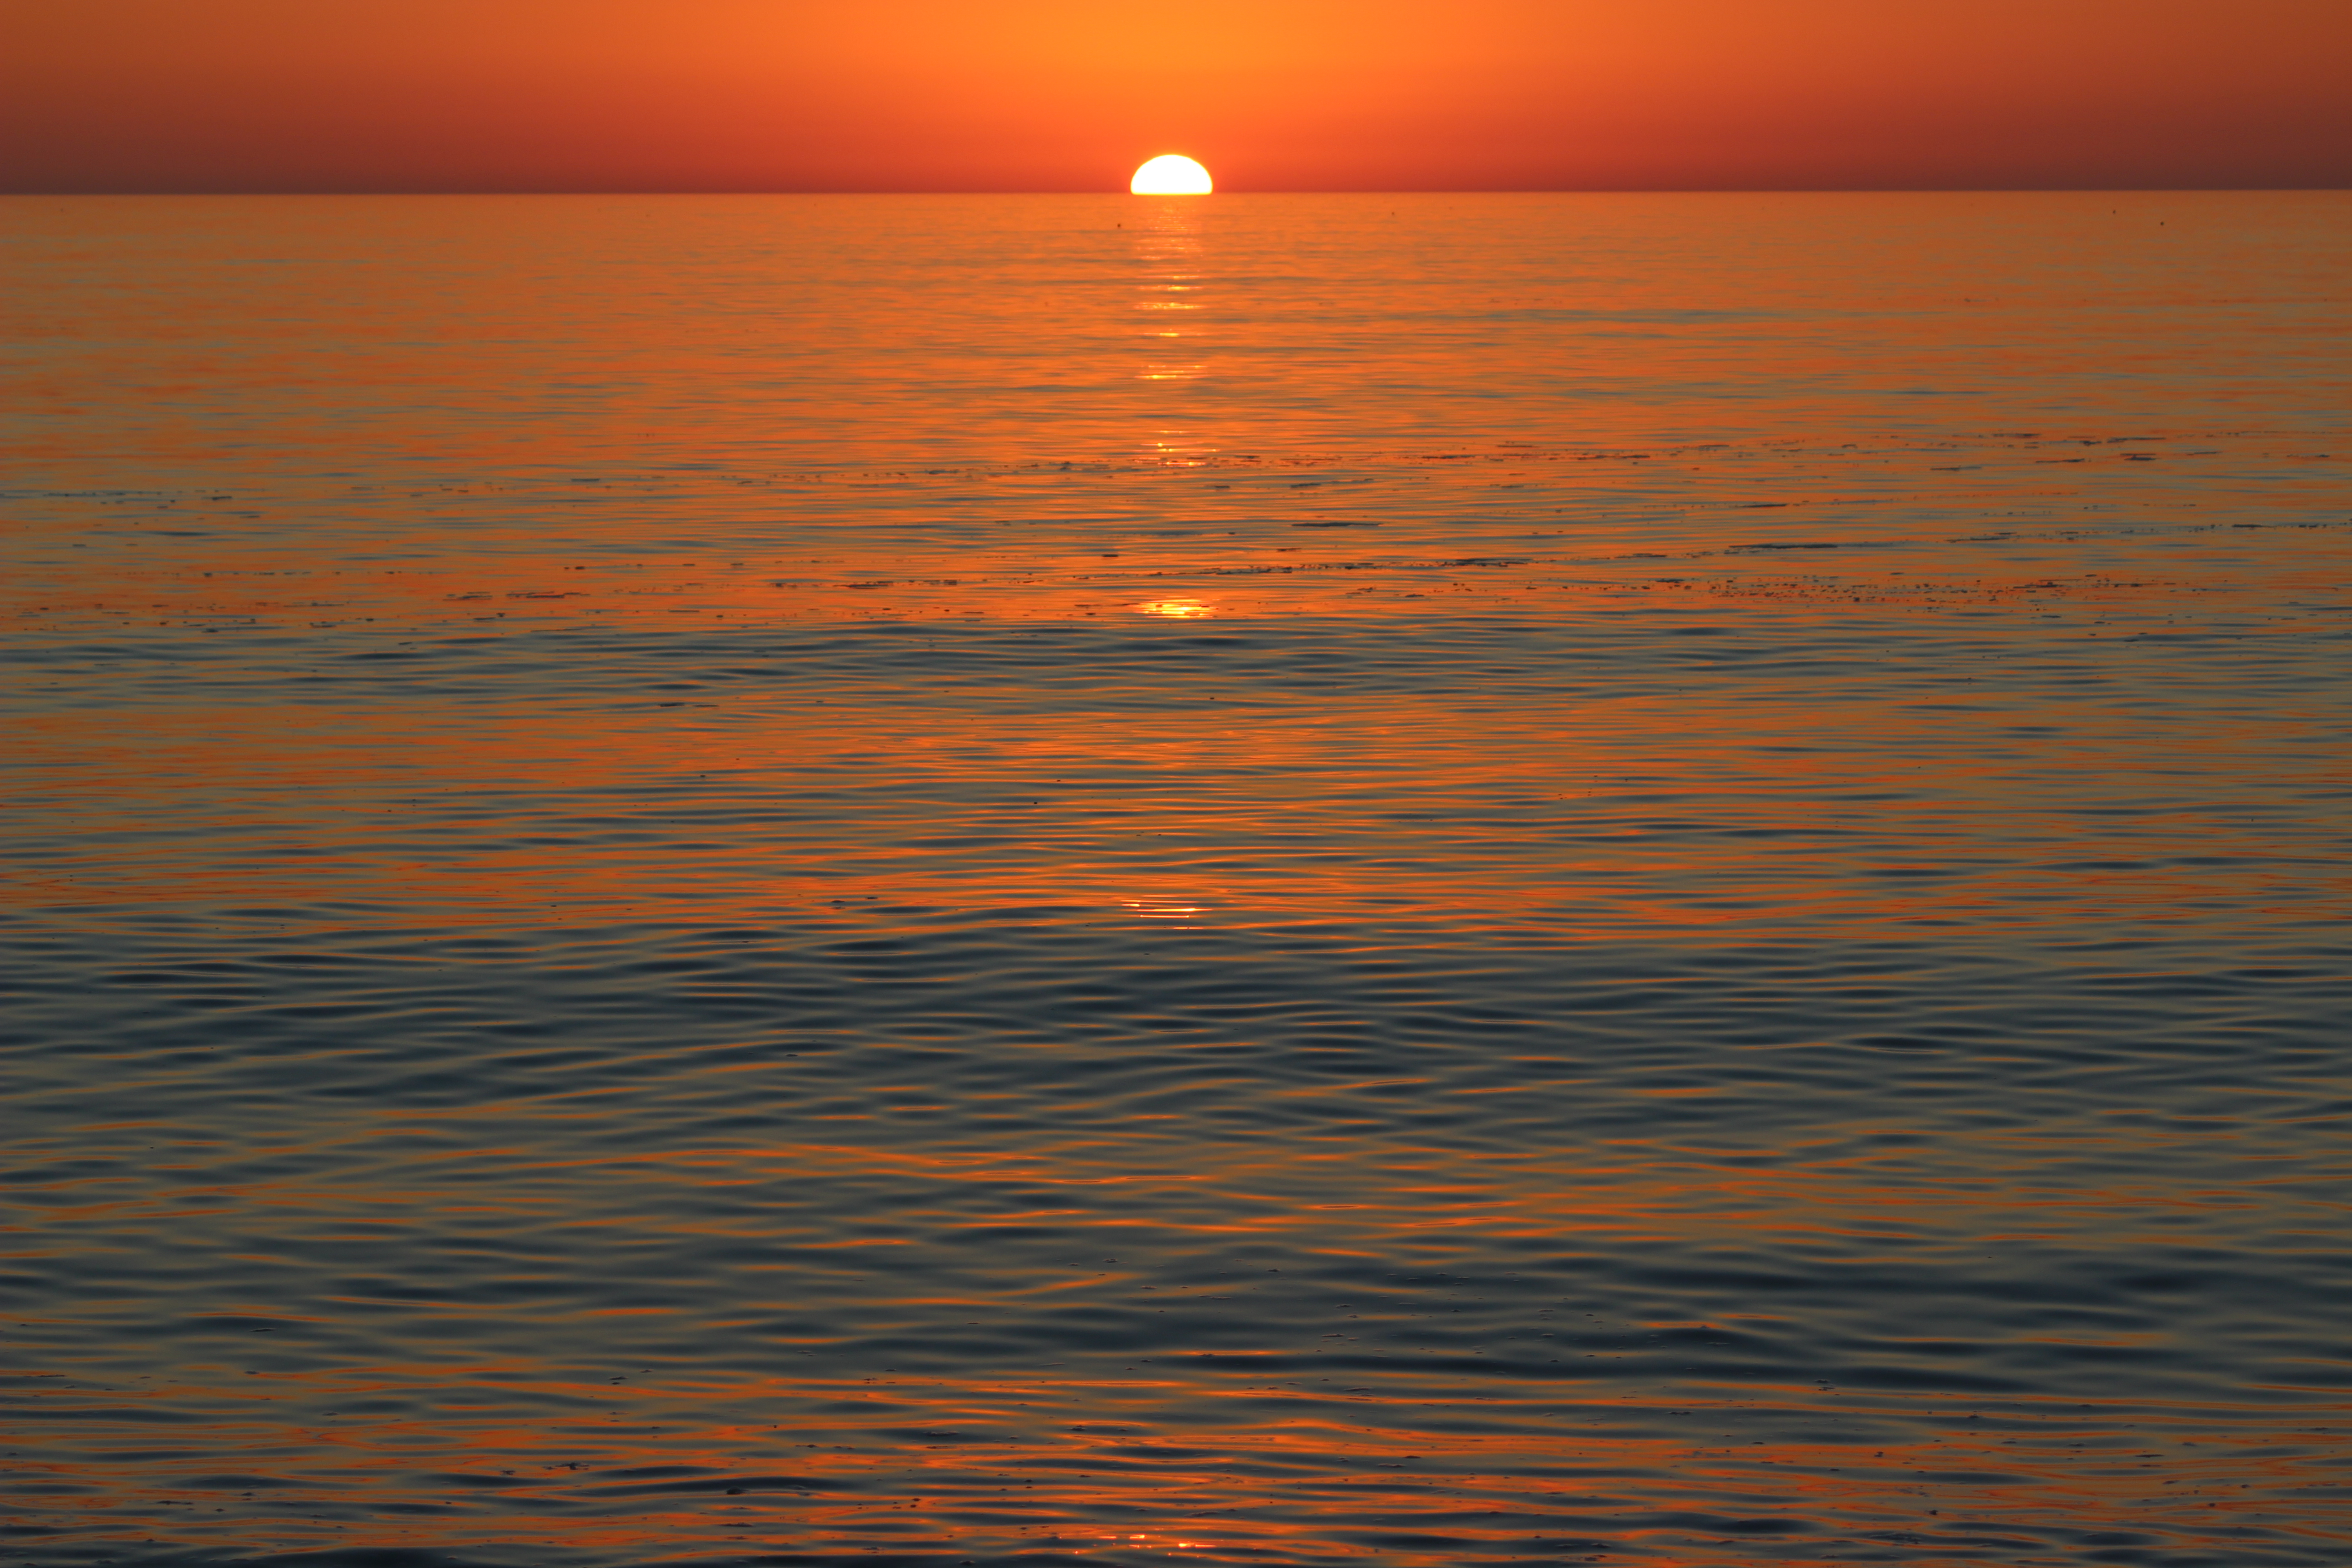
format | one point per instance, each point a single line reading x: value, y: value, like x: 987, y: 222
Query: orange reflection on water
x: 1275, y: 1446
x: 1286, y: 791
x: 1300, y: 1489
x: 452, y: 340
x: 825, y: 622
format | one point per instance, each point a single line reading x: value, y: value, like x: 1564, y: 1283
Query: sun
x: 1171, y: 174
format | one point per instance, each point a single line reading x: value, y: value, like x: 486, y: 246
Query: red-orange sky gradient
x: 1070, y: 95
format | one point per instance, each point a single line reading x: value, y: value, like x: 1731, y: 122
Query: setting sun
x: 1171, y: 174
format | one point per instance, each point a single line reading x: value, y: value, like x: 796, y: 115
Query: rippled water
x: 1405, y: 880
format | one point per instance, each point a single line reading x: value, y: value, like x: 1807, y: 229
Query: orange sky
x: 1041, y: 95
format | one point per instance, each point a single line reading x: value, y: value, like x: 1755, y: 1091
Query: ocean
x: 1256, y: 880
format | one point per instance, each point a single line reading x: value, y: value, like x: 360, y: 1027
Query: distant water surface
x: 1406, y: 880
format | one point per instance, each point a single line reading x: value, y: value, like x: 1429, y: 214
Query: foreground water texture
x: 1408, y: 880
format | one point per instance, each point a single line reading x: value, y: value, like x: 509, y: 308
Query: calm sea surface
x: 1405, y: 881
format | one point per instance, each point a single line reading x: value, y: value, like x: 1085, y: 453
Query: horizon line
x: 1349, y: 191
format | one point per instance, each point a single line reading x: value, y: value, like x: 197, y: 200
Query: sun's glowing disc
x: 1171, y: 174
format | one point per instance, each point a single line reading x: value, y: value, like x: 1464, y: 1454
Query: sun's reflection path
x: 1169, y: 252
x: 1176, y: 448
x: 1165, y: 906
